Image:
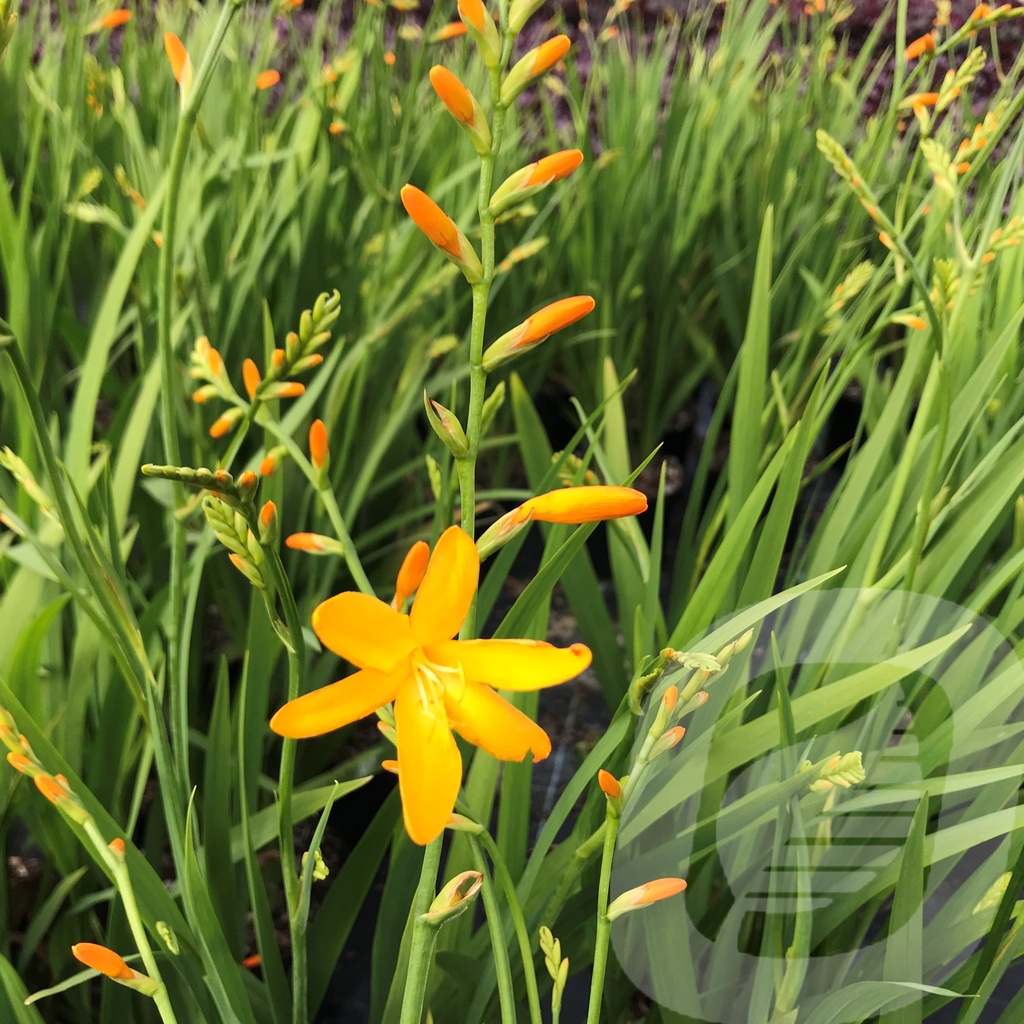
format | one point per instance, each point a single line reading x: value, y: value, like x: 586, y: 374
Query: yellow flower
x: 438, y: 684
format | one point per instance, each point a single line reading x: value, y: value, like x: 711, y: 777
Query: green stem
x: 286, y: 782
x: 569, y: 877
x: 176, y: 658
x: 604, y: 926
x: 423, y: 934
x: 502, y: 968
x: 515, y: 910
x: 122, y: 880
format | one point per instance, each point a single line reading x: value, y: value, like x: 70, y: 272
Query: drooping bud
x: 447, y: 427
x: 462, y: 105
x: 539, y: 60
x: 442, y: 231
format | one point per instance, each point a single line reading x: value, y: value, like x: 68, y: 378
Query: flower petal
x: 338, y: 704
x: 363, y: 630
x: 489, y: 722
x: 429, y: 763
x: 443, y: 599
x: 512, y: 664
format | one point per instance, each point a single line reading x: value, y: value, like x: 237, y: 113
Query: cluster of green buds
x: 557, y: 966
x: 231, y: 527
x: 840, y: 770
x: 705, y: 667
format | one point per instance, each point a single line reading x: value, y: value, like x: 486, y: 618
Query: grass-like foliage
x: 704, y: 403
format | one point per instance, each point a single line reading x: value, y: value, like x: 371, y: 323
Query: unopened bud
x: 667, y: 740
x: 455, y: 898
x: 447, y: 427
x: 539, y: 60
x: 268, y: 523
x: 644, y: 895
x: 319, y: 453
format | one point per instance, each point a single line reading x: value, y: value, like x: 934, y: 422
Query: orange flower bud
x: 21, y: 763
x: 923, y: 99
x: 554, y: 317
x: 533, y: 65
x: 268, y: 465
x: 116, y: 847
x: 390, y: 765
x: 255, y: 960
x: 50, y: 788
x: 267, y: 513
x: 644, y: 895
x: 667, y: 740
x: 112, y: 20
x: 473, y: 13
x: 277, y: 358
x: 389, y: 58
x: 452, y: 30
x: 410, y: 575
x: 223, y: 423
x: 610, y: 785
x: 920, y: 46
x: 318, y: 450
x: 247, y: 480
x: 432, y: 220
x: 670, y: 697
x: 554, y: 167
x: 267, y: 79
x: 453, y: 94
x: 181, y: 64
x: 584, y: 504
x: 306, y: 542
x: 101, y: 959
x: 286, y: 389
x: 251, y: 377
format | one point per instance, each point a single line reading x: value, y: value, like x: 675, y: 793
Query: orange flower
x: 101, y: 959
x: 410, y: 575
x: 920, y: 46
x: 432, y: 220
x: 554, y: 167
x: 454, y: 95
x: 267, y: 79
x: 318, y: 450
x: 438, y: 684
